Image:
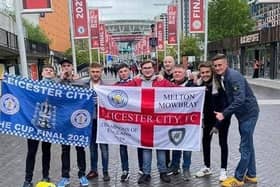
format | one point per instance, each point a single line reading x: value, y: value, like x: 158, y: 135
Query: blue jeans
x: 124, y: 157
x: 187, y: 156
x: 176, y: 157
x: 94, y: 151
x: 147, y: 161
x: 247, y: 161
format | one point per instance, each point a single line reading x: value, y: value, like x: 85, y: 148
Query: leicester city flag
x: 45, y: 111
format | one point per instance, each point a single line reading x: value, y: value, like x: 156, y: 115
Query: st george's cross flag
x: 160, y: 118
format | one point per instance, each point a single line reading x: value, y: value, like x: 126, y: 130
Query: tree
x: 35, y: 33
x: 190, y: 46
x: 160, y: 56
x: 82, y: 55
x: 171, y: 50
x: 228, y: 18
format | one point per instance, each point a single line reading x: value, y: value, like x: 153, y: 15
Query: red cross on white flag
x: 164, y: 118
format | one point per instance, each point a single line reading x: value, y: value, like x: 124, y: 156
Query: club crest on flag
x: 80, y: 118
x: 176, y: 135
x: 118, y: 98
x: 9, y: 104
x: 44, y: 116
x: 81, y: 30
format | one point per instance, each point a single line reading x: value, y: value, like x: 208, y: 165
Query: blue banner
x: 46, y: 111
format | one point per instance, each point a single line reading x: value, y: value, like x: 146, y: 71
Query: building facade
x: 56, y: 26
x: 263, y: 44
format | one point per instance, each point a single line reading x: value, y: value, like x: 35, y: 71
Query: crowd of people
x: 227, y: 94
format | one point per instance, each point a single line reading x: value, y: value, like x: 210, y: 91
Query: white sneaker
x: 223, y: 175
x: 203, y: 172
x: 140, y: 172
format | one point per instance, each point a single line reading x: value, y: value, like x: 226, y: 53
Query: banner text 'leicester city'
x: 45, y: 111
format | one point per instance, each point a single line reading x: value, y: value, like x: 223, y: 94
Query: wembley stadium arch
x: 127, y: 33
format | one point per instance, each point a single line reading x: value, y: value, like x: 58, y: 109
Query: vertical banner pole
x: 98, y: 53
x: 178, y: 30
x: 72, y: 35
x: 21, y: 44
x: 89, y: 36
x: 206, y: 30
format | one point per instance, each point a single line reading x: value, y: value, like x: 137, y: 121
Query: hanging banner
x: 196, y: 16
x: 160, y: 30
x: 106, y: 43
x: 94, y: 27
x: 147, y: 45
x: 172, y: 24
x: 36, y: 6
x: 110, y: 45
x: 45, y: 111
x: 160, y: 118
x: 102, y: 37
x: 79, y: 11
x: 33, y: 71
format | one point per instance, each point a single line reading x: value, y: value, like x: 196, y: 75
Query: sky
x: 126, y: 9
x: 129, y: 9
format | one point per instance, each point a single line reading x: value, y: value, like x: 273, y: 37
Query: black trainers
x: 144, y: 179
x: 106, y: 176
x: 46, y: 179
x: 27, y: 184
x: 165, y: 178
x: 187, y: 175
x: 125, y: 176
x: 173, y: 170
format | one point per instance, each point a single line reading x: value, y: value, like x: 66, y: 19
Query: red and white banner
x: 102, y: 37
x: 127, y: 37
x: 33, y: 71
x: 160, y: 30
x: 80, y: 22
x: 106, y: 42
x: 147, y: 45
x: 172, y: 24
x: 36, y: 6
x: 196, y: 16
x: 94, y: 27
x: 160, y: 118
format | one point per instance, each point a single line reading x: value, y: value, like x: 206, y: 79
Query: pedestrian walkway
x: 266, y: 138
x: 268, y: 83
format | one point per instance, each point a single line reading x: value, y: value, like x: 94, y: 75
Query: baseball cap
x: 65, y: 61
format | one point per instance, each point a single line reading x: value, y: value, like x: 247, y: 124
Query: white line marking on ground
x: 269, y: 101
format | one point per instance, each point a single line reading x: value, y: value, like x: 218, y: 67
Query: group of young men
x: 227, y: 93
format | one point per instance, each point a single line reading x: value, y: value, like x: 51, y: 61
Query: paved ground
x: 268, y: 83
x: 267, y: 141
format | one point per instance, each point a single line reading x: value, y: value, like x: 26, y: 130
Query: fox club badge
x: 44, y: 115
x: 118, y: 98
x: 80, y: 118
x: 9, y: 104
x: 177, y: 135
